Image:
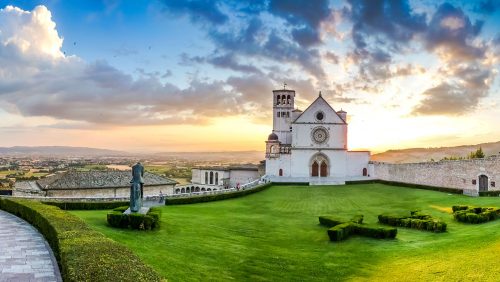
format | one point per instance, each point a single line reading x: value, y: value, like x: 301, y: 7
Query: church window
x: 320, y: 116
x: 365, y: 172
x: 280, y: 172
x: 283, y: 99
x: 206, y: 177
x: 288, y: 101
x: 211, y: 177
x: 323, y: 169
x: 216, y: 178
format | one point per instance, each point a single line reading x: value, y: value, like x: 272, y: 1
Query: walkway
x: 24, y: 253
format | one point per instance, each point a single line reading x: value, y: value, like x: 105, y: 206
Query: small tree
x: 479, y: 153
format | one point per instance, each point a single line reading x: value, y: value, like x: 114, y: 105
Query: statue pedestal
x: 143, y: 210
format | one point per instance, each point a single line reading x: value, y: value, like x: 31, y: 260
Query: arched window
x: 283, y: 99
x: 365, y: 172
x: 216, y: 178
x: 211, y: 177
x: 197, y: 189
x: 177, y: 191
x: 208, y: 190
x: 288, y: 100
x: 278, y: 100
x: 183, y: 190
x: 280, y: 172
x: 188, y: 190
x: 206, y: 177
x: 202, y: 189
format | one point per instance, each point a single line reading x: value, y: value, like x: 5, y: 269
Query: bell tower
x: 283, y: 105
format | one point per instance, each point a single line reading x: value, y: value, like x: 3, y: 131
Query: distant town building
x: 311, y: 146
x: 215, y: 178
x: 92, y: 184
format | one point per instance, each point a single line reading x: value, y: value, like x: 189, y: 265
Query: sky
x: 198, y: 75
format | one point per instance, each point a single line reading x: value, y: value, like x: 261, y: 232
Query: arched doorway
x: 187, y: 190
x: 323, y: 169
x: 197, y: 189
x: 319, y: 166
x: 183, y: 190
x: 208, y: 190
x: 483, y: 183
x: 365, y: 172
x: 177, y: 191
x: 280, y: 173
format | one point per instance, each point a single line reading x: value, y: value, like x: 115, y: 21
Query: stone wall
x: 463, y: 174
x: 119, y: 192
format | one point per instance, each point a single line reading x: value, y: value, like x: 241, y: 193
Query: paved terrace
x: 24, y: 253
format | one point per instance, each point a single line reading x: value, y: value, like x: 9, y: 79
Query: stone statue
x: 136, y: 189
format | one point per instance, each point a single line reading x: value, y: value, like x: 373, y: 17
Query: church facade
x: 311, y: 145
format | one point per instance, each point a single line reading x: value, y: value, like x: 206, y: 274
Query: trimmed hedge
x: 82, y: 253
x: 87, y: 205
x: 416, y: 220
x: 475, y: 215
x: 343, y: 231
x: 409, y: 185
x: 330, y: 221
x: 489, y: 194
x: 149, y: 221
x: 214, y: 197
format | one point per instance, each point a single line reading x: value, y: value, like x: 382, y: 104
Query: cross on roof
x: 284, y: 85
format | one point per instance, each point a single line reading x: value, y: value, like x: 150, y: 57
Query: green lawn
x: 274, y: 236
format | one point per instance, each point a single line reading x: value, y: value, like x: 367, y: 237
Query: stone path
x: 24, y: 253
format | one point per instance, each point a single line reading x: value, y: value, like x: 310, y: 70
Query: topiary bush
x: 149, y: 221
x: 416, y: 220
x: 82, y: 253
x: 342, y: 229
x: 475, y: 215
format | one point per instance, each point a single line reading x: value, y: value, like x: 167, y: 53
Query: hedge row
x: 214, y: 197
x: 343, y: 231
x: 415, y: 220
x: 489, y: 193
x: 409, y: 185
x: 469, y: 214
x: 330, y: 221
x: 149, y: 221
x: 82, y: 253
x: 107, y: 205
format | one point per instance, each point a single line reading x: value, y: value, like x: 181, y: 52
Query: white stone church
x: 311, y: 146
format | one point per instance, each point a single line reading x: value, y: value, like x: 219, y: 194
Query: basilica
x: 310, y: 146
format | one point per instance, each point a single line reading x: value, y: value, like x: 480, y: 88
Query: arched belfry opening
x: 319, y: 166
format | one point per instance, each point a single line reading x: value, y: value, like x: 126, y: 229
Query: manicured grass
x: 274, y: 235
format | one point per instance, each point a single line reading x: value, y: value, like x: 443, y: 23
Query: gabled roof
x: 318, y: 100
x: 98, y: 179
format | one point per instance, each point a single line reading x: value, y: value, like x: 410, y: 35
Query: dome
x: 272, y: 137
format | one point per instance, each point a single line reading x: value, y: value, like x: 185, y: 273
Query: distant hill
x: 225, y: 157
x: 425, y: 154
x: 58, y: 151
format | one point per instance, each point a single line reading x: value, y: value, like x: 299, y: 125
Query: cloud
x: 38, y: 80
x: 244, y: 29
x: 450, y: 32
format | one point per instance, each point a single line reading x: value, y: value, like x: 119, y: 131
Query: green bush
x: 214, y: 197
x: 106, y: 205
x: 149, y: 221
x: 489, y: 193
x: 416, y: 220
x: 475, y: 215
x: 343, y: 231
x: 408, y: 185
x: 82, y: 253
x: 330, y: 221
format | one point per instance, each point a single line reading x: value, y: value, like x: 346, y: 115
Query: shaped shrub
x: 475, y: 215
x: 416, y: 220
x: 149, y: 221
x: 342, y: 229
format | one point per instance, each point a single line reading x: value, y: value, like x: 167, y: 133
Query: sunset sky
x: 198, y: 75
